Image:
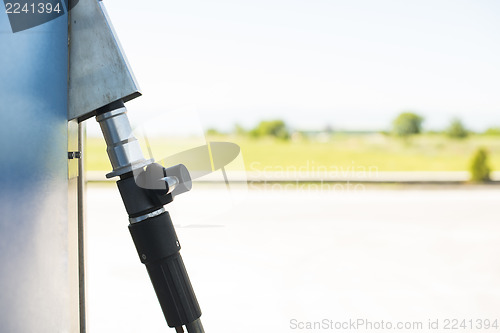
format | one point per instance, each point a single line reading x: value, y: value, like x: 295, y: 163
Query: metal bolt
x: 74, y: 154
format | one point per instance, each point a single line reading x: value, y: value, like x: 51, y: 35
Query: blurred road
x: 326, y: 177
x: 262, y: 258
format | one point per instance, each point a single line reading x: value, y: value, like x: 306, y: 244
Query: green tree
x: 275, y: 128
x: 479, y: 167
x: 407, y: 123
x: 492, y: 131
x: 457, y: 129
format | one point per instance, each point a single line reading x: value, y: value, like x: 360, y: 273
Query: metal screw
x: 74, y: 154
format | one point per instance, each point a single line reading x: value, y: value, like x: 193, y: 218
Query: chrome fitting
x: 146, y: 216
x: 124, y: 150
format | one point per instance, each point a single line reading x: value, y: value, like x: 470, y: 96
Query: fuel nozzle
x: 145, y: 188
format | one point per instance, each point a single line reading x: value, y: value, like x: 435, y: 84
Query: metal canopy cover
x: 99, y: 72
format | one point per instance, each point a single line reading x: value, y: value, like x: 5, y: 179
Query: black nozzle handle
x: 158, y: 248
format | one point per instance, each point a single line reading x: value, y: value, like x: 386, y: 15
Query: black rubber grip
x: 174, y: 291
x: 158, y: 248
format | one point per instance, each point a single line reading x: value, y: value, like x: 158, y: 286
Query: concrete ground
x: 278, y: 259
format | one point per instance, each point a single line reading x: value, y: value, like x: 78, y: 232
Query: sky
x: 350, y: 64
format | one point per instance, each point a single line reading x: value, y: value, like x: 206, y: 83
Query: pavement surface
x: 279, y: 259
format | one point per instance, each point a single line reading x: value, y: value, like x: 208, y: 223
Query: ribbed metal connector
x: 124, y: 150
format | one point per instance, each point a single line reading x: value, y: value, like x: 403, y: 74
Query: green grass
x: 429, y: 152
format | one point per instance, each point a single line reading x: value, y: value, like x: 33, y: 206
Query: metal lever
x: 172, y: 182
x: 182, y: 174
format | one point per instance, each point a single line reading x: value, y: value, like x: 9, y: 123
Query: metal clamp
x: 146, y: 216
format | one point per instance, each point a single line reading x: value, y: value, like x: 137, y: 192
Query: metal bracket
x: 99, y: 73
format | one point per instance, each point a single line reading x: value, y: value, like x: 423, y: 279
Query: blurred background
x: 369, y: 167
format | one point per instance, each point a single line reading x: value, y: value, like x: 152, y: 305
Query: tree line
x: 410, y: 123
x: 406, y: 124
